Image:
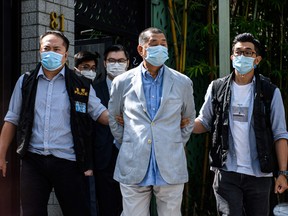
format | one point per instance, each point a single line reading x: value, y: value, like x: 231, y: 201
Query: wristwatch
x: 285, y: 173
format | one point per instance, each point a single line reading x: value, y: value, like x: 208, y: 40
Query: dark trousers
x: 239, y: 194
x: 91, y: 195
x: 39, y: 174
x: 108, y: 192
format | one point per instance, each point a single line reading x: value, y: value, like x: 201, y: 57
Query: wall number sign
x: 57, y: 22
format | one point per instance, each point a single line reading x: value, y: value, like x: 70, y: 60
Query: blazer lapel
x: 138, y: 88
x: 166, y: 88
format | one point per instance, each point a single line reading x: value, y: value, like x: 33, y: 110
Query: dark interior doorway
x: 10, y: 71
x: 120, y: 21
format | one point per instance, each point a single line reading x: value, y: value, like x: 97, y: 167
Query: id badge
x: 80, y: 107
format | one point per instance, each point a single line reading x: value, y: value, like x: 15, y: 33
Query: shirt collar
x: 144, y: 71
x: 41, y: 72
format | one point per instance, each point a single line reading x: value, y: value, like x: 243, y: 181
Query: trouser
x: 91, y: 195
x: 39, y: 174
x: 239, y: 194
x: 108, y: 192
x: 136, y: 199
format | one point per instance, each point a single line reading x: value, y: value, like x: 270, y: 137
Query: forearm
x: 7, y: 135
x: 282, y: 153
x: 186, y: 131
x: 104, y: 118
x: 282, y: 157
x: 198, y: 127
x: 116, y: 129
x: 115, y: 108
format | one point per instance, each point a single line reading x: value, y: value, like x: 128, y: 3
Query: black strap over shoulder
x: 266, y: 89
x: 263, y: 130
x: 24, y: 129
x: 220, y: 103
x: 78, y: 89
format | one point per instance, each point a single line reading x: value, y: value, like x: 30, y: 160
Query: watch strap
x: 285, y: 173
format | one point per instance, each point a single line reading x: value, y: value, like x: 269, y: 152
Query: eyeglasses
x: 247, y: 53
x: 119, y: 61
x: 87, y: 67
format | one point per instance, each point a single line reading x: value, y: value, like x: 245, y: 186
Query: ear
x: 128, y: 63
x: 104, y: 63
x: 231, y: 57
x: 140, y: 50
x: 257, y: 60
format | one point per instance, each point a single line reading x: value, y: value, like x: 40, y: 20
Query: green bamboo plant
x: 194, y: 29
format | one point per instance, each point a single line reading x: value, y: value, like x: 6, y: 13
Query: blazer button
x: 149, y: 141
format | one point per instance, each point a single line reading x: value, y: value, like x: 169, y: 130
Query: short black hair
x: 115, y: 48
x: 58, y: 34
x: 248, y: 37
x: 83, y: 56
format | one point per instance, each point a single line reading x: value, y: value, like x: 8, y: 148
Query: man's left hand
x: 280, y: 184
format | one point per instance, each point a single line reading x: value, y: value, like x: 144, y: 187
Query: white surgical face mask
x: 115, y: 69
x: 243, y: 64
x: 51, y: 60
x: 157, y: 55
x: 89, y: 74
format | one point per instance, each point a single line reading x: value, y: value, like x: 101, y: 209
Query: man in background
x: 86, y: 65
x: 116, y: 62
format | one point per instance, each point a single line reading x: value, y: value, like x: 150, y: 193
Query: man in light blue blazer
x: 152, y: 98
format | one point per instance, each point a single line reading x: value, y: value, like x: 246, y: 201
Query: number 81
x: 54, y: 21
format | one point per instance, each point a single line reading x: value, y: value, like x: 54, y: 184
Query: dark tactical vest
x: 221, y: 98
x: 78, y: 90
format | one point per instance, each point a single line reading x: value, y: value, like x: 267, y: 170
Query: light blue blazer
x: 139, y: 130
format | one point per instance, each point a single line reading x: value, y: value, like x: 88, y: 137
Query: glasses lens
x: 247, y: 53
x: 122, y: 60
x: 113, y: 61
x: 87, y: 67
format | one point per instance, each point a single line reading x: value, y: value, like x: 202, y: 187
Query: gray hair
x: 144, y: 35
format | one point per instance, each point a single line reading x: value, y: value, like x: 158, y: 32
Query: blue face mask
x: 51, y: 60
x: 157, y: 55
x: 243, y: 64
